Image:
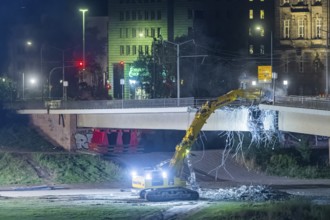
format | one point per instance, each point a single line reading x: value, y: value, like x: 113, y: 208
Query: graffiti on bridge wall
x: 106, y: 137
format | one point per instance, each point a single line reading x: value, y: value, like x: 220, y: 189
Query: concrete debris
x: 244, y: 193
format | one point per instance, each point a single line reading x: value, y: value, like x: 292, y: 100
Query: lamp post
x: 178, y: 66
x: 83, y: 35
x: 63, y: 66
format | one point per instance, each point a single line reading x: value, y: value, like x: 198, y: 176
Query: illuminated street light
x: 83, y: 25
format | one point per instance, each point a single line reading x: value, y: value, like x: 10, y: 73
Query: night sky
x: 66, y: 12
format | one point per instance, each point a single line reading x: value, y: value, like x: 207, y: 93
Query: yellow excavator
x: 164, y: 184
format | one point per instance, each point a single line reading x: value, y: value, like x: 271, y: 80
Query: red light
x: 121, y: 62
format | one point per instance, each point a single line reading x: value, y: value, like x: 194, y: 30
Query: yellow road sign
x: 264, y: 74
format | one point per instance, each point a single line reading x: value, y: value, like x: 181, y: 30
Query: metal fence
x: 303, y: 102
x: 101, y: 104
x: 289, y: 101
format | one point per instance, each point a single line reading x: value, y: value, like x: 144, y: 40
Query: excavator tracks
x: 168, y: 194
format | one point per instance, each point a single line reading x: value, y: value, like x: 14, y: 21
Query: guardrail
x: 100, y: 104
x: 303, y: 102
x: 290, y: 101
x: 115, y: 104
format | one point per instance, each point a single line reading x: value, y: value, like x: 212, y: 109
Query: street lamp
x: 83, y: 25
x: 32, y: 81
x: 63, y: 66
x: 178, y: 65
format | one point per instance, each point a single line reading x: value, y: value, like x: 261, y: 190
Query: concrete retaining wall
x: 58, y: 129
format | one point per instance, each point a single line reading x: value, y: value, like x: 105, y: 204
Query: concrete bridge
x: 60, y: 120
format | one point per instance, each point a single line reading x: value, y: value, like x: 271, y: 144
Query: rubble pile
x: 244, y: 193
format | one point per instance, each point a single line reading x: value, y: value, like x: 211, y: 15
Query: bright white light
x: 164, y: 174
x: 148, y: 176
x: 140, y: 34
x: 33, y: 81
x: 285, y: 82
x: 133, y: 173
x: 132, y: 82
x: 254, y: 83
x: 29, y: 43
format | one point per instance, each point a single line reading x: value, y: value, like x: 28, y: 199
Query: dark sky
x: 66, y: 12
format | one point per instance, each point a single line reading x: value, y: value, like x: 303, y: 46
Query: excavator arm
x: 182, y: 149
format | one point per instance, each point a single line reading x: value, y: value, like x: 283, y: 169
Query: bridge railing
x: 303, y: 102
x: 115, y: 104
x: 102, y: 104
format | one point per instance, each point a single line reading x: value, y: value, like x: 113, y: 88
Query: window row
x: 139, y: 32
x: 261, y: 14
x: 301, y: 28
x: 133, y: 50
x: 252, y: 49
x: 140, y: 15
x: 138, y: 1
x: 258, y: 0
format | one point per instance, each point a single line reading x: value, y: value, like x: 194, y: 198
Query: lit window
x: 301, y: 28
x: 286, y: 1
x: 262, y: 14
x: 251, y: 49
x: 262, y: 49
x: 318, y: 26
x: 286, y: 31
x: 251, y: 14
x: 250, y: 32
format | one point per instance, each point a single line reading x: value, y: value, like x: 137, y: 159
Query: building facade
x: 133, y: 25
x: 302, y: 28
